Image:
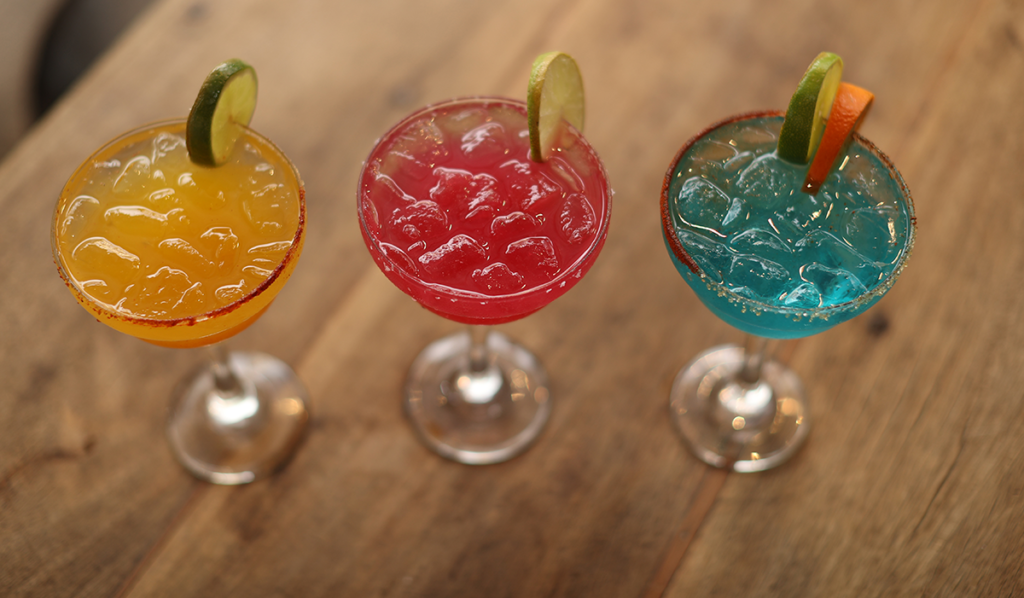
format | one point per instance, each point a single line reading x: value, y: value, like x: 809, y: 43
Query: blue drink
x: 774, y: 262
x: 770, y: 259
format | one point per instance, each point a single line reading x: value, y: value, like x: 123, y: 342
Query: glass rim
x: 158, y: 323
x: 876, y: 292
x: 595, y: 246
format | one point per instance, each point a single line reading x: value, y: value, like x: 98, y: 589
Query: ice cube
x: 708, y: 159
x: 712, y: 151
x: 164, y: 198
x: 484, y: 145
x: 577, y: 222
x: 399, y: 258
x: 872, y: 230
x: 420, y: 220
x: 183, y: 254
x: 512, y: 226
x: 734, y: 167
x: 533, y: 254
x: 221, y: 243
x: 788, y: 231
x: 806, y: 212
x: 409, y: 164
x: 99, y: 255
x: 417, y: 151
x: 768, y: 181
x: 700, y: 203
x: 835, y: 284
x: 458, y: 123
x: 265, y: 208
x: 164, y: 291
x: 714, y: 257
x: 262, y: 173
x: 100, y: 290
x: 458, y: 253
x: 258, y: 274
x: 80, y: 210
x: 271, y: 251
x: 230, y: 293
x: 385, y: 192
x: 805, y: 295
x: 760, y: 137
x: 470, y: 198
x: 136, y: 220
x: 568, y: 176
x: 757, y: 278
x: 186, y: 181
x: 135, y: 177
x: 370, y: 215
x: 859, y: 172
x: 498, y: 278
x: 178, y: 219
x: 529, y: 190
x: 759, y: 242
x: 829, y: 250
x: 169, y: 148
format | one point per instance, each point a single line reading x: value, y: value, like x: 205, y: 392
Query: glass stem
x: 479, y: 356
x: 754, y: 349
x: 480, y: 383
x: 225, y: 380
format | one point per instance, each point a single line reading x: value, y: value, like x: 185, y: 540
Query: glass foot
x: 238, y: 435
x: 733, y: 424
x: 477, y: 417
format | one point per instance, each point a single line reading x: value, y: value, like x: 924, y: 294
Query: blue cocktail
x: 775, y: 262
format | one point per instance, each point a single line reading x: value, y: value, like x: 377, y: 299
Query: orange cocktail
x: 175, y: 253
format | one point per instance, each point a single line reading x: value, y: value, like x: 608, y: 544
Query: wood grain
x: 909, y: 485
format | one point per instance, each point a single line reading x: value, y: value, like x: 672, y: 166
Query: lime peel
x: 223, y: 108
x: 554, y: 93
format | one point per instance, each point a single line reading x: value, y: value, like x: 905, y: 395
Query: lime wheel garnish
x: 809, y: 108
x: 555, y: 92
x: 221, y: 111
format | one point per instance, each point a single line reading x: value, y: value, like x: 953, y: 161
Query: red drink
x: 456, y: 214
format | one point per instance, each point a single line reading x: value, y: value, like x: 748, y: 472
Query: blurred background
x: 46, y: 45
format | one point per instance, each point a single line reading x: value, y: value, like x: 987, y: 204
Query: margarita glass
x: 182, y: 255
x: 457, y: 216
x: 775, y: 262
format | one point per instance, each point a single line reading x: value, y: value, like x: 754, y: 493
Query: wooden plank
x: 910, y: 484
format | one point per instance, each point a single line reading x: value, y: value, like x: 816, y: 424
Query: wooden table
x: 912, y: 483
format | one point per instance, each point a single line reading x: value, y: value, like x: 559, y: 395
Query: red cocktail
x: 457, y: 215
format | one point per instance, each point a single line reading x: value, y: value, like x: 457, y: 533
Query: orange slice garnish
x: 848, y: 110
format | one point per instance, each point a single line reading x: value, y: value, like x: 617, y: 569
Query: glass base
x: 482, y: 417
x: 738, y: 425
x: 239, y: 438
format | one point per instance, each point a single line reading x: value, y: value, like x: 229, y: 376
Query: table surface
x: 911, y: 483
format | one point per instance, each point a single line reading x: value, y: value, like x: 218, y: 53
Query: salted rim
x: 84, y: 297
x: 680, y: 252
x: 595, y: 246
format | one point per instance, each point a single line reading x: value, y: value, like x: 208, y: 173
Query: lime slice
x: 555, y: 93
x: 223, y: 108
x: 809, y: 108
